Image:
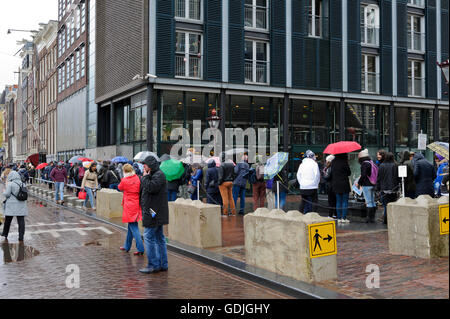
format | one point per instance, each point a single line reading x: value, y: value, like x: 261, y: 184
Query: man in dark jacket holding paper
x: 155, y: 214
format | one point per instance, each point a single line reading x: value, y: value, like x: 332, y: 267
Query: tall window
x: 72, y: 69
x: 83, y: 17
x: 416, y: 78
x: 370, y: 74
x: 256, y: 14
x: 416, y: 33
x: 63, y: 41
x: 67, y: 38
x: 188, y: 56
x: 63, y: 77
x: 72, y: 30
x: 315, y: 18
x: 188, y: 9
x: 256, y: 61
x: 417, y: 3
x: 77, y: 61
x: 370, y: 24
x: 82, y: 60
x: 67, y: 73
x: 77, y: 22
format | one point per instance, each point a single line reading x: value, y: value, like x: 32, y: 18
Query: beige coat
x: 90, y: 180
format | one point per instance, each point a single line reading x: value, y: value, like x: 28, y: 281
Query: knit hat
x: 363, y: 153
x: 330, y: 158
x: 310, y: 154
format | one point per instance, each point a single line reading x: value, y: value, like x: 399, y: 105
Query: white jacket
x: 308, y: 174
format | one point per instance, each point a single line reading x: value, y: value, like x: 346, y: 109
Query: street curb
x: 282, y: 284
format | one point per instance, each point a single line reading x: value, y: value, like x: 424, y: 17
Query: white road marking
x: 56, y: 232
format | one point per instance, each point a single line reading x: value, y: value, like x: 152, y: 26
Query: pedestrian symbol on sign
x: 316, y: 239
x: 322, y: 239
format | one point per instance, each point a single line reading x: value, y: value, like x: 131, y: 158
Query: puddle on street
x: 93, y: 243
x: 12, y: 252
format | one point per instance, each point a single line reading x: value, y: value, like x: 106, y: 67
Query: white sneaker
x: 340, y: 221
x: 346, y: 221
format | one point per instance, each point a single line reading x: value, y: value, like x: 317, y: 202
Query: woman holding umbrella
x: 340, y: 172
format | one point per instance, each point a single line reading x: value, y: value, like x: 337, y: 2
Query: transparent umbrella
x: 143, y: 155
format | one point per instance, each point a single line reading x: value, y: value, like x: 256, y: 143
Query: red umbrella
x: 342, y: 147
x: 85, y: 159
x: 41, y: 166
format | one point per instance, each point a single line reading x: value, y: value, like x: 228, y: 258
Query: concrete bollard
x: 203, y: 222
x: 281, y: 242
x: 414, y: 227
x: 109, y: 203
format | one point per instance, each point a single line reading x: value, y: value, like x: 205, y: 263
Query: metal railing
x: 68, y: 187
x: 418, y: 89
x: 373, y: 83
x: 190, y: 10
x: 256, y: 71
x: 192, y: 64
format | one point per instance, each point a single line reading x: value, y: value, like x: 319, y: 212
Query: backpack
x: 252, y: 176
x: 80, y: 172
x: 24, y: 176
x: 374, y: 173
x: 260, y: 172
x: 22, y: 195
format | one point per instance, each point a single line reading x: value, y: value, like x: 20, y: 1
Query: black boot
x: 372, y: 212
x: 368, y: 210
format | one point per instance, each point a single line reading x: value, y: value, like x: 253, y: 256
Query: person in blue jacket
x: 241, y: 171
x: 442, y: 169
x: 197, y: 175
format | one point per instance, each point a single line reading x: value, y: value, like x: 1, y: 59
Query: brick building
x: 72, y: 43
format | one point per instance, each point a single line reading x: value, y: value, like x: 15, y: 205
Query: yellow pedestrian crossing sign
x: 443, y: 219
x: 322, y: 239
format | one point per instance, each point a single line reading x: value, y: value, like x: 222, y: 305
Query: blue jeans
x: 341, y: 205
x: 89, y: 196
x: 133, y: 232
x: 171, y: 195
x: 155, y: 247
x: 282, y: 200
x: 114, y: 186
x: 59, y: 188
x: 239, y: 192
x: 369, y: 196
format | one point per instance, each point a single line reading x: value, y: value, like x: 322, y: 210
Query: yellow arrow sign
x: 443, y: 219
x: 322, y: 239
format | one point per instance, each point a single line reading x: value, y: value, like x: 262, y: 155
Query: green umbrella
x: 173, y: 169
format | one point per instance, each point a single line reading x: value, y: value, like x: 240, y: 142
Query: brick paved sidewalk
x: 360, y: 245
x: 56, y: 238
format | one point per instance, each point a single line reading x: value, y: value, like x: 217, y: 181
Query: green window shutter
x: 213, y: 41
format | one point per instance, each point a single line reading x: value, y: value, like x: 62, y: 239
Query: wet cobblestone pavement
x: 360, y: 245
x: 56, y: 238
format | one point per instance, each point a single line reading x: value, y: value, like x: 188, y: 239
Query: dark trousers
x: 214, y: 198
x: 308, y: 201
x: 20, y: 221
x: 78, y: 183
x: 386, y: 199
x: 331, y: 203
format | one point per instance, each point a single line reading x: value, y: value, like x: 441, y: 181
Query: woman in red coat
x: 132, y: 213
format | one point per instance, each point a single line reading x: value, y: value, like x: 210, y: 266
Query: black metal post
x: 392, y: 128
x: 149, y: 117
x: 342, y: 120
x: 286, y: 123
